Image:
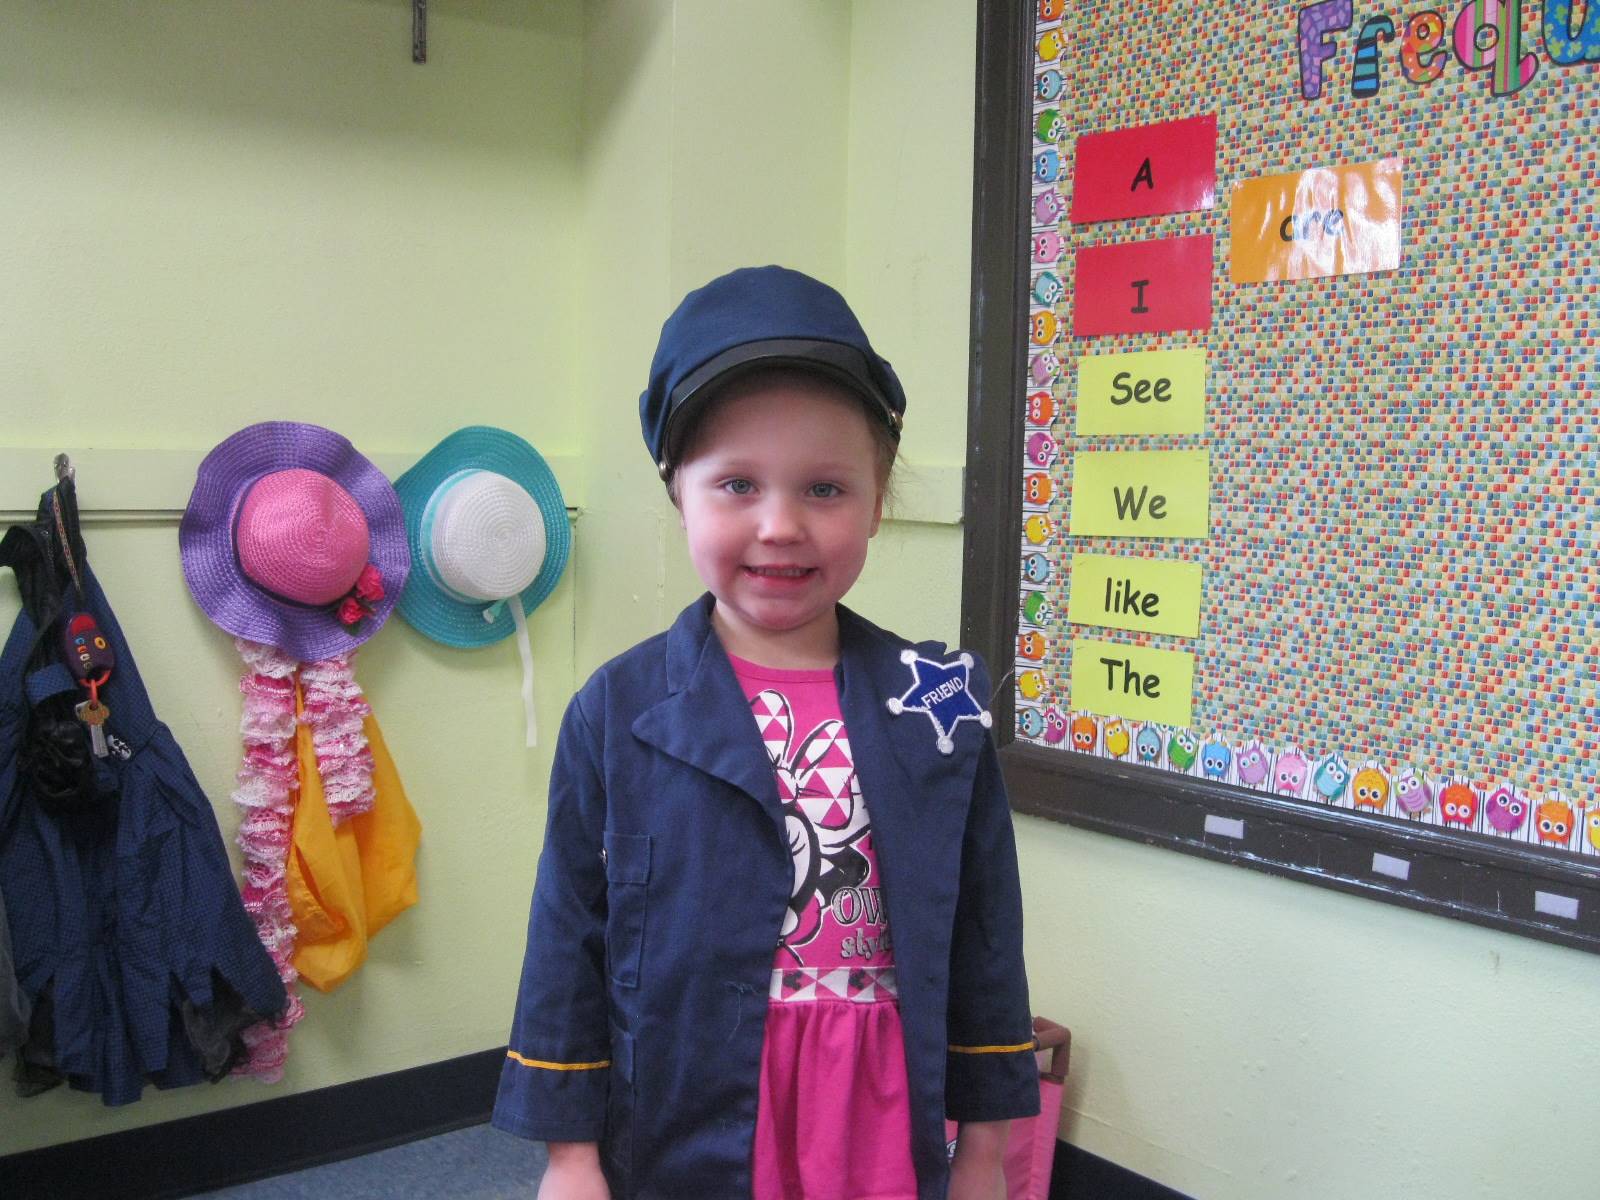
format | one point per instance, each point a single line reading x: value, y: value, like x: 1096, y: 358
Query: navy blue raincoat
x: 13, y: 1005
x: 131, y: 942
x: 662, y: 887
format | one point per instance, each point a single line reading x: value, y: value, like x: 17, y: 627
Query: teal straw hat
x: 486, y: 524
x: 489, y: 539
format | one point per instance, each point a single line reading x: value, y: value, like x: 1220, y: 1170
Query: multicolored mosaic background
x: 1405, y: 492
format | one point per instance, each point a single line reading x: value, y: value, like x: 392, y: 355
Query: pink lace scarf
x: 334, y: 709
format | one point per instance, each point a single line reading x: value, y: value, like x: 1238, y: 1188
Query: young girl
x: 776, y: 932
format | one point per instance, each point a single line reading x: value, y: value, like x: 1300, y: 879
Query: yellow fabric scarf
x: 347, y: 882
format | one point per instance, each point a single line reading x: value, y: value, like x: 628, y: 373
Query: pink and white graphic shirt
x: 833, y: 1118
x: 835, y: 936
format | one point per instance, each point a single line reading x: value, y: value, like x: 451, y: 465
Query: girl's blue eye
x: 824, y: 491
x: 739, y: 487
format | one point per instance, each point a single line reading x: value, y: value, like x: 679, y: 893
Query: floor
x: 476, y: 1163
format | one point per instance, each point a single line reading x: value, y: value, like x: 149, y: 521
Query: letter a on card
x: 1167, y: 167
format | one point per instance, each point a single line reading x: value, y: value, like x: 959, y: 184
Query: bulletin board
x: 1374, y: 661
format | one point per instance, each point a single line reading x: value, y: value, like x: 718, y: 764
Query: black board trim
x: 253, y: 1141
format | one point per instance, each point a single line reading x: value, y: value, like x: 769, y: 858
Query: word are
x: 1133, y: 683
x: 1304, y: 227
x: 1486, y: 35
x: 1123, y: 597
x: 1143, y: 392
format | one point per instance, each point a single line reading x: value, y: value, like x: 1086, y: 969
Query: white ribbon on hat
x: 485, y: 543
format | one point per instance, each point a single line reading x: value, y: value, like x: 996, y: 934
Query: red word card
x: 1168, y: 167
x: 1143, y: 287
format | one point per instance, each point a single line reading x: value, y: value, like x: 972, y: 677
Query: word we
x: 1486, y: 35
x: 1130, y: 505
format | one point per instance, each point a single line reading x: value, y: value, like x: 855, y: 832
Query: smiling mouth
x: 780, y: 572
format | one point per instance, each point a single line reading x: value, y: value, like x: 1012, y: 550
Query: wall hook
x: 64, y: 469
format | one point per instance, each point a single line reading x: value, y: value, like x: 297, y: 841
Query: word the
x: 1142, y: 392
x: 1486, y: 35
x: 1123, y: 597
x: 1133, y: 683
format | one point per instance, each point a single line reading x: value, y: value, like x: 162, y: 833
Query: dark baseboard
x: 236, y: 1145
x: 1079, y: 1175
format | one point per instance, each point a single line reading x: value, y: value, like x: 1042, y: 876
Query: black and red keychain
x: 84, y: 648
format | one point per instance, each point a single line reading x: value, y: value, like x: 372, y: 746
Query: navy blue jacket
x: 662, y: 887
x: 127, y: 926
x: 13, y: 1004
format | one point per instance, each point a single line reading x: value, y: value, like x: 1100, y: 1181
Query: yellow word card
x: 1156, y: 391
x: 1141, y: 493
x: 1137, y: 682
x: 1151, y: 595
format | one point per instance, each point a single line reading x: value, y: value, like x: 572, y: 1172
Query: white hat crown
x: 485, y: 538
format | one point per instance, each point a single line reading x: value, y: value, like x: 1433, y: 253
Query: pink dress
x: 834, y: 1114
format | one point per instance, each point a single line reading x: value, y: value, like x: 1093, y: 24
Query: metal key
x: 94, y: 714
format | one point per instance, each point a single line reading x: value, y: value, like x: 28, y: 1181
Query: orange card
x: 1325, y: 221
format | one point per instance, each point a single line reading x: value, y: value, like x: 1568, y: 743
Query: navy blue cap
x: 750, y: 318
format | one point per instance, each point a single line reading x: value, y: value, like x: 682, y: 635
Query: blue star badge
x: 940, y: 690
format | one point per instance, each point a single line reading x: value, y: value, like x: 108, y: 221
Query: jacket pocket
x: 627, y: 879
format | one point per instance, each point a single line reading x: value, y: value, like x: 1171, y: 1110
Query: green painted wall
x: 497, y: 237
x: 220, y: 212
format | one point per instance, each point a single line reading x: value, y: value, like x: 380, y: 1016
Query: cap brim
x: 845, y: 364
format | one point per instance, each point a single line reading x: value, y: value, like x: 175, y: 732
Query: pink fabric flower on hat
x: 369, y: 587
x: 361, y: 600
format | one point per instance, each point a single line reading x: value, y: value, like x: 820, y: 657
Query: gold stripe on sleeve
x: 556, y: 1066
x: 1020, y: 1046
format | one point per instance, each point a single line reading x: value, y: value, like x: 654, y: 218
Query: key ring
x: 94, y: 686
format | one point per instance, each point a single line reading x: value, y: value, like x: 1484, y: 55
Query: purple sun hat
x: 293, y: 538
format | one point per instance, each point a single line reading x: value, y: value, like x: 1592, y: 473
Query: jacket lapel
x: 907, y: 783
x: 705, y: 720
